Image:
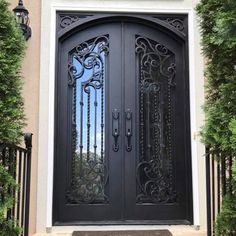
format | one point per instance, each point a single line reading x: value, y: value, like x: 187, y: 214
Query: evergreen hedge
x: 7, y: 182
x: 218, y: 28
x: 12, y: 47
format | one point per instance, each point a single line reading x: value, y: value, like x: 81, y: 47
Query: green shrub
x: 218, y: 28
x: 7, y: 227
x: 226, y: 220
x: 12, y: 47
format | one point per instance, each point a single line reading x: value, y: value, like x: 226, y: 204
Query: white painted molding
x: 193, y: 122
x: 47, y: 90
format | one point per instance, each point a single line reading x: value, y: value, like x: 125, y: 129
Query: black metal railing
x: 17, y: 161
x: 218, y: 184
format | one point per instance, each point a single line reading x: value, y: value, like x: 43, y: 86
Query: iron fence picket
x: 218, y: 187
x: 17, y: 161
x: 23, y: 192
x: 28, y: 143
x: 19, y: 184
x: 208, y: 190
x: 218, y: 184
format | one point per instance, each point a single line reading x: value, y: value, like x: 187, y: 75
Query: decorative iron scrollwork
x: 89, y: 180
x: 89, y: 56
x: 68, y: 19
x: 156, y: 79
x: 176, y: 23
x: 86, y: 69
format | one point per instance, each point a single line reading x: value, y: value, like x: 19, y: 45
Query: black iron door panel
x: 88, y: 170
x: 156, y: 92
x: 122, y: 149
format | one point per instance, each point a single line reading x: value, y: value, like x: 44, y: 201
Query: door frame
x: 46, y: 112
x: 67, y: 28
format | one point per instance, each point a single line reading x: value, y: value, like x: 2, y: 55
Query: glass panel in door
x: 87, y: 68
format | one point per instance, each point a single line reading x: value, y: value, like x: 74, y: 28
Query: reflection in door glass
x: 87, y: 77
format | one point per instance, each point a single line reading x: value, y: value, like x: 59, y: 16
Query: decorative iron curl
x: 154, y: 170
x: 88, y: 186
x: 155, y: 57
x: 177, y: 23
x: 68, y: 20
x: 88, y: 56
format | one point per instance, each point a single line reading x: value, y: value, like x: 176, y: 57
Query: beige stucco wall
x: 30, y: 72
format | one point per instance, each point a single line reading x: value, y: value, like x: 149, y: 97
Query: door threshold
x: 124, y: 222
x: 173, y: 228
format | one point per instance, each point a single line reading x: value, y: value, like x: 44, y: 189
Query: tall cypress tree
x: 218, y: 28
x: 12, y: 47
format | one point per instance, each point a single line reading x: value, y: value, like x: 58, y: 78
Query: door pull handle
x: 128, y: 128
x: 115, y: 129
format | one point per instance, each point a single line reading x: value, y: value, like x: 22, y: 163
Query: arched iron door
x: 122, y: 149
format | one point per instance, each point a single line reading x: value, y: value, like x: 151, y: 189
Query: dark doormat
x: 124, y: 233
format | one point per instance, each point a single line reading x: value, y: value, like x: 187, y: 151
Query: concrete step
x: 175, y: 230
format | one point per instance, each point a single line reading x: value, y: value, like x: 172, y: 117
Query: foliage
x: 232, y: 128
x: 7, y: 227
x: 12, y: 47
x: 218, y: 28
x: 226, y: 220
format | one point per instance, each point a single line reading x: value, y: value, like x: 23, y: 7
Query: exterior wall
x: 30, y: 72
x: 38, y: 71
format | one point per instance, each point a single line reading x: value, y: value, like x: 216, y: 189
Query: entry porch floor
x: 176, y: 230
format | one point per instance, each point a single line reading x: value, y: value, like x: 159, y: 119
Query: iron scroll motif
x: 89, y: 174
x: 176, y: 23
x: 66, y: 20
x: 156, y: 80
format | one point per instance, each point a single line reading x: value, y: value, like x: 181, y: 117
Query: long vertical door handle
x: 128, y: 129
x: 115, y: 129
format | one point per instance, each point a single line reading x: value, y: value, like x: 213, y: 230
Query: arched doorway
x: 122, y: 145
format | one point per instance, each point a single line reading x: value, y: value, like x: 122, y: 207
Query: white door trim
x: 47, y: 92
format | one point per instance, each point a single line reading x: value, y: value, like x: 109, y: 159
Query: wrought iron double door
x: 122, y: 127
